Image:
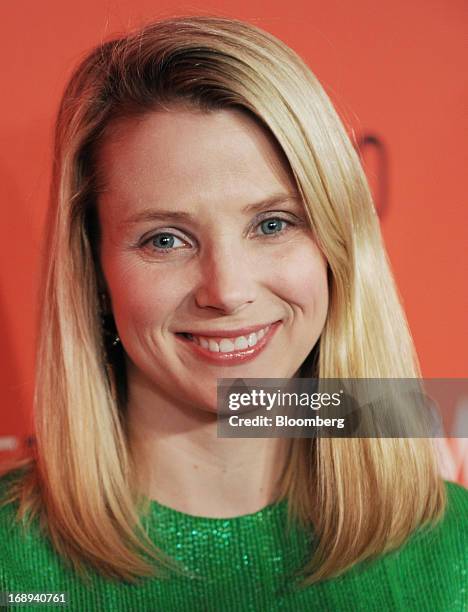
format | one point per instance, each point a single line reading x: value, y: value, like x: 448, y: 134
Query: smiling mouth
x: 218, y: 349
x: 218, y: 344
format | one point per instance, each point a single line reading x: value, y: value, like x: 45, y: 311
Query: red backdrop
x: 392, y: 68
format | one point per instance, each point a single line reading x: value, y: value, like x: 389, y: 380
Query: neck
x: 184, y: 465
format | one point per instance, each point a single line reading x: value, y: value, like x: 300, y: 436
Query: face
x: 211, y: 268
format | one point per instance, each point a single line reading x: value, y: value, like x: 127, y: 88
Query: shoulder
x: 7, y: 481
x: 451, y: 531
x: 457, y: 501
x: 23, y: 547
x: 453, y: 526
x: 18, y: 534
x: 11, y: 526
x: 426, y: 573
x: 431, y: 566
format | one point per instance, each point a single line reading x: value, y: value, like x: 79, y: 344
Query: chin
x: 204, y: 403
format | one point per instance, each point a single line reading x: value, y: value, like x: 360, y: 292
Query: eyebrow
x: 150, y: 214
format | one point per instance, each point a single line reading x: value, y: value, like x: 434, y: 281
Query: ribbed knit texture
x: 247, y: 563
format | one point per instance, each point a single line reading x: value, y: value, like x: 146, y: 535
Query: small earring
x: 116, y: 341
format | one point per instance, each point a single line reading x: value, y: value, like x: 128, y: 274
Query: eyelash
x: 289, y: 225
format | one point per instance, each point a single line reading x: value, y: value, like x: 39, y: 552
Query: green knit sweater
x: 246, y: 563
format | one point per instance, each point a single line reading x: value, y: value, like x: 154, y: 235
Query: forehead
x: 186, y: 157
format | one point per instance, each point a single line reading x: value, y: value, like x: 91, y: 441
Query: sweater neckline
x: 267, y: 512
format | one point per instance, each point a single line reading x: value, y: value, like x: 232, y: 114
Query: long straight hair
x: 353, y: 492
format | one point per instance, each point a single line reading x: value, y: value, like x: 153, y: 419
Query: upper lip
x: 229, y: 333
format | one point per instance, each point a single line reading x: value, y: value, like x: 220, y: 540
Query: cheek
x: 140, y: 294
x: 301, y: 275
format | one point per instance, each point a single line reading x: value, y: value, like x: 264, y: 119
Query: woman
x: 210, y: 219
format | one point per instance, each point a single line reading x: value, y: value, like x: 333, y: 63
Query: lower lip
x: 233, y: 357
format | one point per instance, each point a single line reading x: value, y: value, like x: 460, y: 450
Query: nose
x: 227, y: 281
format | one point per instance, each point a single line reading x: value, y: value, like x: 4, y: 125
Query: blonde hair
x: 362, y: 496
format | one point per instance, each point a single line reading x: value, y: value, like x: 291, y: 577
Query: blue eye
x: 164, y: 241
x: 273, y: 225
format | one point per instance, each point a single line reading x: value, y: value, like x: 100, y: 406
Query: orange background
x: 394, y: 68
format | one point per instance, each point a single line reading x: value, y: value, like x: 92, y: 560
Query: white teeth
x: 252, y: 339
x: 241, y: 343
x: 213, y: 346
x: 226, y: 346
